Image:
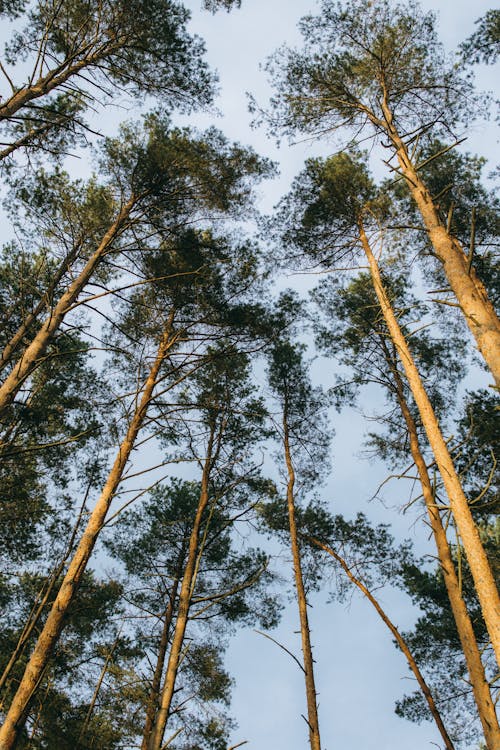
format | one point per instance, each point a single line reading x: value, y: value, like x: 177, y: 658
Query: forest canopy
x: 246, y: 454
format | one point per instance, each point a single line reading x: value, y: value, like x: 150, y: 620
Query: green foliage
x: 483, y: 46
x: 435, y: 644
x: 355, y: 55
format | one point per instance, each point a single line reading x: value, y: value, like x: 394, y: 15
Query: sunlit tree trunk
x: 55, y: 620
x: 312, y: 706
x: 478, y: 562
x: 185, y: 596
x: 31, y: 356
x: 469, y: 290
x: 479, y: 683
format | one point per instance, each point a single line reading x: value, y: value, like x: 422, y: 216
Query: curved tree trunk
x: 312, y: 707
x: 478, y: 562
x: 55, y: 620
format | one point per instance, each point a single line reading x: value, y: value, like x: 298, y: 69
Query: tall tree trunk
x: 55, y: 620
x: 188, y: 581
x: 312, y: 706
x: 154, y: 694
x: 30, y: 358
x: 469, y: 290
x: 478, y: 562
x: 399, y: 639
x: 479, y: 683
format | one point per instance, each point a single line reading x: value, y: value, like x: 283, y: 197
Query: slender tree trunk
x: 478, y: 562
x: 469, y: 290
x: 29, y: 360
x: 97, y: 689
x: 154, y: 694
x: 186, y: 592
x: 399, y: 638
x: 312, y: 706
x: 55, y: 620
x: 479, y: 683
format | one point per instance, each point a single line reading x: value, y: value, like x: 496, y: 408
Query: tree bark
x: 186, y: 592
x: 399, y: 638
x: 478, y: 562
x: 312, y: 707
x: 154, y: 694
x: 29, y: 359
x: 479, y: 683
x: 469, y: 290
x: 55, y: 620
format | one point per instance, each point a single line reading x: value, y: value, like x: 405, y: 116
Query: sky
x: 359, y: 673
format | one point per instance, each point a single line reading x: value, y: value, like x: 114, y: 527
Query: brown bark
x: 186, y: 592
x: 478, y: 562
x: 312, y: 707
x: 479, y: 683
x: 36, y: 349
x: 53, y: 79
x: 160, y: 661
x: 399, y: 638
x: 469, y: 290
x: 55, y: 620
x: 28, y: 320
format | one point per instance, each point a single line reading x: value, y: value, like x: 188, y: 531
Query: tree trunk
x: 469, y: 290
x: 478, y: 562
x: 55, y: 620
x: 188, y: 581
x: 480, y: 686
x: 312, y: 707
x: 399, y: 638
x: 29, y: 359
x: 154, y: 694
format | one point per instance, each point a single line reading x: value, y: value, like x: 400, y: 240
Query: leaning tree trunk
x: 399, y: 639
x: 478, y: 562
x: 469, y: 290
x: 312, y: 706
x: 186, y: 592
x: 479, y: 683
x: 30, y: 358
x: 55, y: 620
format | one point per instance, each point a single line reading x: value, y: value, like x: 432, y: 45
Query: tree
x: 228, y: 420
x: 304, y: 445
x: 355, y: 330
x: 329, y: 203
x: 79, y: 52
x: 158, y: 180
x: 230, y: 588
x: 379, y: 66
